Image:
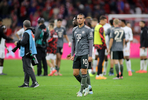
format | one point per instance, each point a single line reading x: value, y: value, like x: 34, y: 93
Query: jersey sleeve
x: 123, y: 34
x: 111, y: 34
x: 64, y: 33
x: 130, y: 34
x: 90, y: 34
x: 19, y: 32
x: 107, y: 32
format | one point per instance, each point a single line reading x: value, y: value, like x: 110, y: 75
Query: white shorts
x: 50, y: 56
x: 143, y: 52
x: 126, y: 50
x: 95, y: 52
x: 2, y: 54
x: 106, y: 53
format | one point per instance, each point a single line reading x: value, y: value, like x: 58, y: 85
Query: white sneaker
x: 79, y: 94
x: 87, y: 90
x: 90, y: 92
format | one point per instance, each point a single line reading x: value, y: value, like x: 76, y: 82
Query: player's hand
x: 89, y: 59
x: 69, y: 44
x: 72, y: 58
x: 143, y: 48
x: 15, y: 43
x: 69, y: 56
x: 108, y: 50
x: 7, y: 50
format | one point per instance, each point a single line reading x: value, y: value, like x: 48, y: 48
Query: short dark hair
x: 51, y: 24
x: 40, y: 20
x: 59, y: 19
x: 124, y: 21
x: 111, y: 22
x: 27, y: 23
x: 102, y: 17
x: 143, y: 21
x: 82, y: 15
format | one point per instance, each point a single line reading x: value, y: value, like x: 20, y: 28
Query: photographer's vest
x: 32, y: 46
x: 97, y: 38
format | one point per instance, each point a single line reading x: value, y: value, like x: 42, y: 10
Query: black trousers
x: 28, y: 72
x: 41, y: 56
x: 101, y: 56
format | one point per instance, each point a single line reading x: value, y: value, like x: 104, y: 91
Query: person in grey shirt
x: 82, y: 43
x: 116, y: 44
x: 61, y: 31
x: 111, y: 72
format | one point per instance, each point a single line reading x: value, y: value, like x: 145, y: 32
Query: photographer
x: 27, y: 45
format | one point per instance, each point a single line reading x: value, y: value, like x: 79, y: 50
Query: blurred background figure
x: 41, y: 35
x: 3, y: 37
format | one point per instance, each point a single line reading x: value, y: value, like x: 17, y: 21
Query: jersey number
x: 60, y: 34
x: 119, y: 34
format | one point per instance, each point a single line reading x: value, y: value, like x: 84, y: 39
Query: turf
x: 65, y: 87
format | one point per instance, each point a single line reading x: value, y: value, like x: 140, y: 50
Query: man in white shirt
x: 19, y: 33
x: 128, y: 39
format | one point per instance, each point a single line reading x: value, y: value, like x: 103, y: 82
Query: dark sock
x: 117, y: 69
x: 83, y: 82
x: 57, y: 68
x: 78, y: 78
x: 121, y: 68
x: 111, y: 70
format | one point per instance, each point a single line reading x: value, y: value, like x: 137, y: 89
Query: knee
x: 75, y: 73
x: 84, y: 71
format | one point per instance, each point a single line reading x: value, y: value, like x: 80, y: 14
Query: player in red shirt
x: 52, y: 48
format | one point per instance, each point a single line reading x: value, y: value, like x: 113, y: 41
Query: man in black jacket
x: 143, y: 47
x: 27, y: 45
x: 2, y: 46
x: 41, y: 35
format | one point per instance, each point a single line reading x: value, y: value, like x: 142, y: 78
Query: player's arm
x: 17, y: 36
x: 111, y: 41
x: 131, y: 35
x: 24, y: 41
x: 66, y: 37
x: 4, y: 36
x: 124, y: 39
x: 90, y: 40
x: 37, y: 34
x: 72, y: 46
x: 6, y: 48
x: 101, y: 30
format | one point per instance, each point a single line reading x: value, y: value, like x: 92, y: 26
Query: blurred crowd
x: 14, y: 12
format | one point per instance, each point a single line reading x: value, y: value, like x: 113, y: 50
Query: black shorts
x: 80, y: 62
x: 117, y: 55
x: 90, y: 64
x: 59, y: 50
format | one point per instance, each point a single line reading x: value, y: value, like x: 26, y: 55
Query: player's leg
x: 115, y: 57
x: 39, y: 58
x: 128, y: 65
x: 111, y: 72
x: 105, y: 63
x: 145, y: 62
x: 95, y: 57
x: 127, y: 58
x: 121, y: 63
x: 2, y: 56
x: 142, y: 56
x: 1, y: 66
x: 101, y: 59
x: 45, y: 66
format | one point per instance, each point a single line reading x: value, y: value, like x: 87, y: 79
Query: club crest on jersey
x: 83, y: 32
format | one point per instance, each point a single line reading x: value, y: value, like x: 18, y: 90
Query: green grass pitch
x: 65, y: 87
